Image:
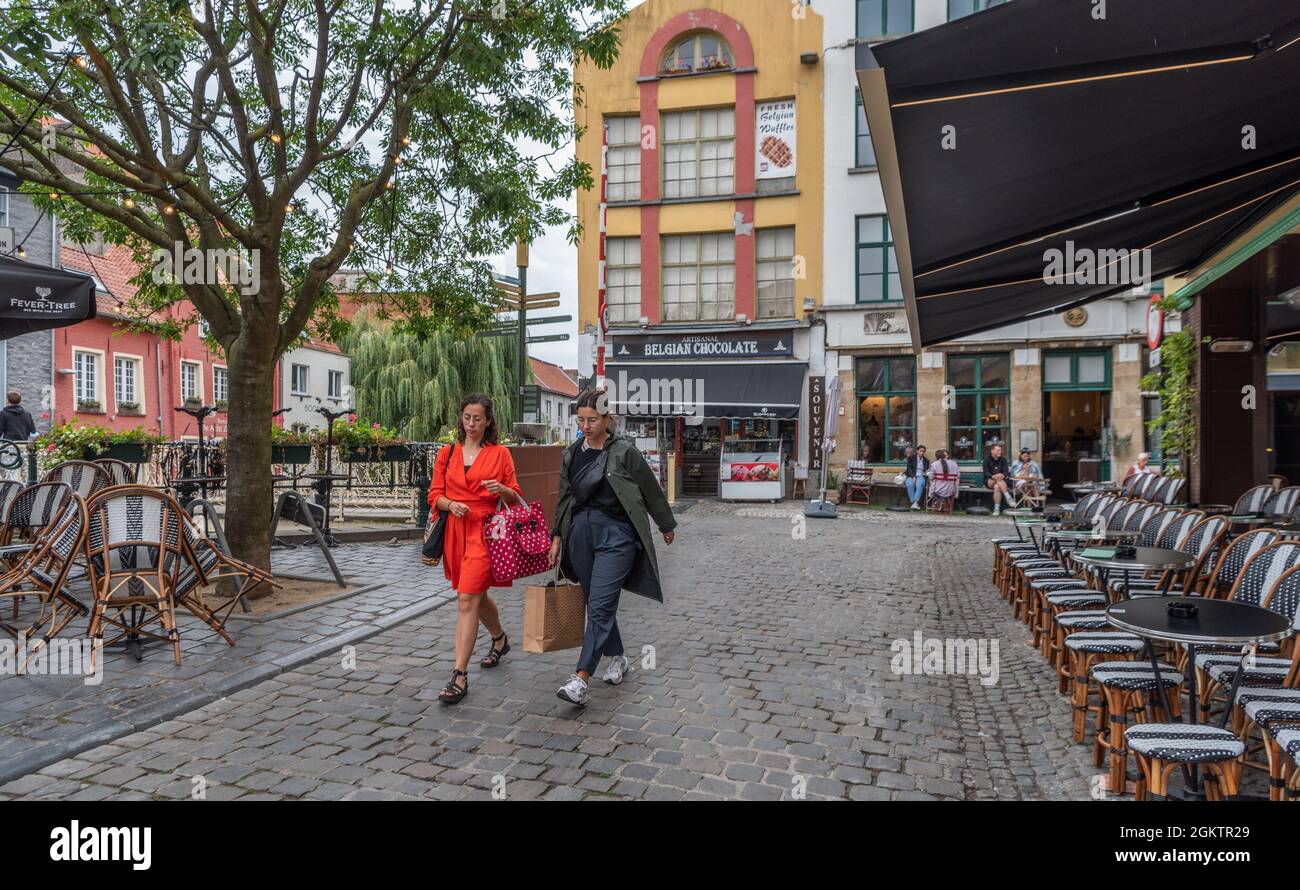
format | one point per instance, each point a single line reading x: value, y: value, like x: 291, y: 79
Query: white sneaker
x: 915, y: 505
x: 574, y: 691
x: 997, y: 511
x: 619, y: 667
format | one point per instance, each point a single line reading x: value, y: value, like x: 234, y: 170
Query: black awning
x: 37, y: 298
x: 1282, y: 323
x: 702, y: 389
x: 1117, y: 134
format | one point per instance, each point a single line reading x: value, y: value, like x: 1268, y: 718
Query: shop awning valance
x: 37, y: 298
x: 1171, y: 125
x: 703, y: 389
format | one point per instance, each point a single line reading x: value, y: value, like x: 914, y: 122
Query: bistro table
x: 1152, y: 559
x: 1216, y: 623
x: 1029, y: 520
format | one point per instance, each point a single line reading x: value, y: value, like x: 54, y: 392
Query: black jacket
x: 994, y: 465
x: 16, y: 423
x: 912, y: 471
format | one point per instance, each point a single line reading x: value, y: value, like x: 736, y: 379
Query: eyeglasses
x: 587, y: 421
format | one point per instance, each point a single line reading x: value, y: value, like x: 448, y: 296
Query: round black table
x: 1216, y: 622
x: 1147, y: 559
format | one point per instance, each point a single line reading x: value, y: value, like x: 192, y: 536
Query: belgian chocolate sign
x: 676, y: 347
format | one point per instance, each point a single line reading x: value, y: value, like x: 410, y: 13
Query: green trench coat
x: 638, y: 490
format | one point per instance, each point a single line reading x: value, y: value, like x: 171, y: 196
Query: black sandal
x: 453, y: 691
x: 494, y: 657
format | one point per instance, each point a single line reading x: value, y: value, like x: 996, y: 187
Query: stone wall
x: 29, y: 359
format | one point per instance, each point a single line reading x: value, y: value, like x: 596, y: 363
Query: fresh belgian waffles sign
x: 775, y: 141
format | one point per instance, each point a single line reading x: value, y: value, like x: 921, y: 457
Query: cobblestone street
x: 767, y: 674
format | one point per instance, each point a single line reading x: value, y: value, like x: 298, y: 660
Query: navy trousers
x: 602, y: 551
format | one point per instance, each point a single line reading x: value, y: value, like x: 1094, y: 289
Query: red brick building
x: 108, y: 376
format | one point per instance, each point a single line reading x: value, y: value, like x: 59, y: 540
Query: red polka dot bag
x: 518, y: 541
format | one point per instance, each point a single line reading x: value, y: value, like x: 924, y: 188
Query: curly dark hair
x: 490, y: 433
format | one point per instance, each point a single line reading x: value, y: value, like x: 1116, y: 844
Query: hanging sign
x: 774, y: 140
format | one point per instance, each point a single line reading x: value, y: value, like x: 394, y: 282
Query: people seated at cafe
x: 945, y: 477
x: 918, y: 465
x: 997, y: 476
x: 1140, y: 466
x: 1026, y: 475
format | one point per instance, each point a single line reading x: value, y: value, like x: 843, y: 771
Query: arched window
x: 694, y: 53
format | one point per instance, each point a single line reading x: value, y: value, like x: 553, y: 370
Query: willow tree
x: 410, y: 138
x: 414, y: 382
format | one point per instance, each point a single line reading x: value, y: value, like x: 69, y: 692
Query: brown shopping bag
x: 555, y: 616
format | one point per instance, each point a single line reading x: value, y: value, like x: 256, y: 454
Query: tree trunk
x: 249, y: 494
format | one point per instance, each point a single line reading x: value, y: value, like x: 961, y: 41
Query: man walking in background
x: 16, y: 423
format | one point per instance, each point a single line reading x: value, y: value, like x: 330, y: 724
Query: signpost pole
x: 521, y: 260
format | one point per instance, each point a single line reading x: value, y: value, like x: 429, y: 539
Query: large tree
x: 413, y: 138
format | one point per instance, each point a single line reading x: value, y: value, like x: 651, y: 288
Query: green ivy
x: 1176, y: 422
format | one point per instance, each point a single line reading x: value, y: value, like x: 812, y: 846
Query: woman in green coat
x: 608, y: 495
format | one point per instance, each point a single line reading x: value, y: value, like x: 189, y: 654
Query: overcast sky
x: 553, y: 266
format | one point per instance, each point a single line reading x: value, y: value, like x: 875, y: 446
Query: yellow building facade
x: 711, y: 122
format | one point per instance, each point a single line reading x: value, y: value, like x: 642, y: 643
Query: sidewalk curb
x: 193, y: 699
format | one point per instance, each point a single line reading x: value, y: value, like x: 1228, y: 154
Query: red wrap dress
x: 464, y: 556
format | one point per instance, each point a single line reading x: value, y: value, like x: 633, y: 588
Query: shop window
x: 699, y: 277
x: 877, y: 264
x: 979, y: 416
x: 864, y: 152
x: 190, y: 383
x: 623, y: 140
x: 298, y: 380
x: 699, y: 149
x: 697, y: 53
x: 877, y: 18
x: 961, y: 8
x: 775, y: 288
x: 220, y: 385
x: 85, y: 366
x: 886, y: 391
x: 126, y: 375
x: 623, y: 280
x: 1083, y: 370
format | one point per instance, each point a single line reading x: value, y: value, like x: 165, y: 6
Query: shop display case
x: 752, y: 470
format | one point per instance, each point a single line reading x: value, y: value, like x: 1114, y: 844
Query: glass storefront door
x: 1076, y: 416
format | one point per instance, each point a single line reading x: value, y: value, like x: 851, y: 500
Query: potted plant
x: 128, y: 408
x: 135, y: 446
x: 290, y: 446
x: 74, y: 441
x: 89, y: 406
x: 361, y: 442
x: 220, y: 404
x: 193, y: 403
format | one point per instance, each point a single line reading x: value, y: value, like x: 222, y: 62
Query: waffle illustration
x: 776, y: 150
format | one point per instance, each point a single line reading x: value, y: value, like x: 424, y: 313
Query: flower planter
x: 290, y: 454
x: 131, y: 452
x: 370, y: 454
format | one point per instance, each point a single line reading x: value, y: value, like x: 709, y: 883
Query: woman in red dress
x: 468, y: 479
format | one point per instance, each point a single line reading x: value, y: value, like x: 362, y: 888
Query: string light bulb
x: 388, y: 184
x: 127, y: 201
x: 80, y: 62
x: 406, y: 140
x: 290, y: 207
x: 54, y: 196
x: 275, y: 137
x: 168, y: 209
x: 22, y: 252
